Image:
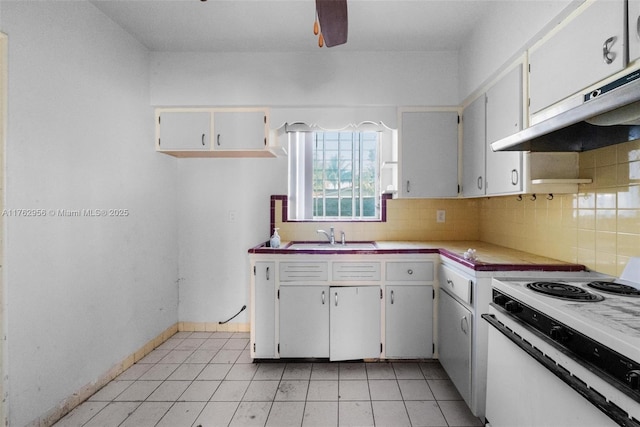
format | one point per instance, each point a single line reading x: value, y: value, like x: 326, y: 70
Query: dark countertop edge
x: 263, y: 249
x: 473, y: 265
x: 485, y: 266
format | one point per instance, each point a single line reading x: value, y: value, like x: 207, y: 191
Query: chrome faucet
x: 331, y: 236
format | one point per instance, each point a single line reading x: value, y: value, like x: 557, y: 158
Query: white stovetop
x: 614, y: 322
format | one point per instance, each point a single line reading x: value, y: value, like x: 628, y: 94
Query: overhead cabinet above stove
x: 583, y: 81
x: 588, y: 49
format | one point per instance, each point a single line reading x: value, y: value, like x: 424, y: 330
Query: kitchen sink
x: 327, y: 246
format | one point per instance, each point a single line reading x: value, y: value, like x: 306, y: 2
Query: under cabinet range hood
x: 605, y: 116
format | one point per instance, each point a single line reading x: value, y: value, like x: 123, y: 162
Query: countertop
x: 489, y: 257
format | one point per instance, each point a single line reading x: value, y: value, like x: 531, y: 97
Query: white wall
x: 82, y: 292
x: 213, y: 266
x: 305, y: 79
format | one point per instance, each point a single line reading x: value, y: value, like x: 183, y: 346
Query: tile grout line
x: 344, y: 373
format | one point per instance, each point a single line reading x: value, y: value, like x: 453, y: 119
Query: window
x: 334, y: 175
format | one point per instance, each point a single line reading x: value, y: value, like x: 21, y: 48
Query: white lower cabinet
x: 454, y: 323
x: 408, y: 321
x: 263, y: 319
x: 354, y: 322
x: 304, y: 321
x: 341, y: 323
x: 343, y: 307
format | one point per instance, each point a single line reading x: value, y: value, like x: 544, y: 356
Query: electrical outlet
x: 441, y: 216
x: 233, y: 215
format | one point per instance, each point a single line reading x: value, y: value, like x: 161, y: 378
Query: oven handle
x: 612, y: 411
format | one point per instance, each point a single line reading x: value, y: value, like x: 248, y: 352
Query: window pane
x: 345, y: 174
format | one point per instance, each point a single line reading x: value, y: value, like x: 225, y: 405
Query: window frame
x: 302, y: 147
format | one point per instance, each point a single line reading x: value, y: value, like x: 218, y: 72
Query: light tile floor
x: 204, y: 379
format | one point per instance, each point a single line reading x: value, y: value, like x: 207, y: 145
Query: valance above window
x: 333, y: 118
x: 361, y: 127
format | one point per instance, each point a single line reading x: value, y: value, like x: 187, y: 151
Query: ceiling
x: 287, y: 25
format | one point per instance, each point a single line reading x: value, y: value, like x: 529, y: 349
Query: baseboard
x: 212, y: 327
x: 67, y: 405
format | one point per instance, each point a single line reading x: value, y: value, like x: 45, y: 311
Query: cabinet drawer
x: 456, y: 283
x: 298, y: 271
x: 356, y: 271
x: 410, y: 271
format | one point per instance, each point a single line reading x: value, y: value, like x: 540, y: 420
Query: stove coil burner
x: 564, y: 291
x: 615, y: 288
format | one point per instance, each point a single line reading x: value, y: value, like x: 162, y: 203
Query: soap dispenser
x: 275, y: 239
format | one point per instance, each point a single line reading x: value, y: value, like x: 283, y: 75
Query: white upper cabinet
x: 494, y: 115
x: 473, y: 148
x: 213, y: 132
x: 429, y: 154
x: 240, y: 130
x: 182, y: 130
x: 634, y: 30
x: 504, y: 118
x: 589, y: 48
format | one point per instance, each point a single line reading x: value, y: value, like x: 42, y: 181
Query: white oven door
x: 523, y: 392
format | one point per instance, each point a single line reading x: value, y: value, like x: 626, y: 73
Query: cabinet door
x: 454, y: 347
x: 504, y: 118
x: 304, y: 321
x: 263, y: 327
x: 184, y: 130
x: 473, y: 148
x: 354, y: 322
x: 429, y: 154
x: 586, y: 50
x: 239, y: 130
x: 634, y: 30
x: 409, y: 322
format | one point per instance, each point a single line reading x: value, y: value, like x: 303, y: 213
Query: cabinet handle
x: 408, y: 186
x: 464, y: 325
x: 479, y: 183
x: 203, y: 139
x: 336, y: 299
x: 218, y: 140
x: 514, y: 177
x: 391, y: 297
x: 410, y: 272
x: 322, y: 297
x: 450, y: 282
x: 638, y: 27
x: 267, y: 273
x: 607, y: 55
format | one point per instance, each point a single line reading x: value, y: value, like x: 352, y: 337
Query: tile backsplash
x: 598, y: 227
x: 406, y: 219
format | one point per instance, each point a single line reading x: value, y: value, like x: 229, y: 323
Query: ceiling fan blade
x: 334, y: 24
